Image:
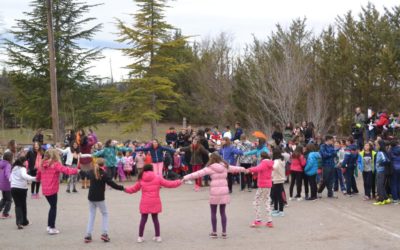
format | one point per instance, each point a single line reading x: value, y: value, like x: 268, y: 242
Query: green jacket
x: 110, y: 155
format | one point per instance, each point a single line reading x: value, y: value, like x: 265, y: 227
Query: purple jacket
x: 5, y: 171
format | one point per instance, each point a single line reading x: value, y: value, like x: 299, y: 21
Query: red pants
x: 195, y: 169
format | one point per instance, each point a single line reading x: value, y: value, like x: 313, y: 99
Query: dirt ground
x: 344, y: 223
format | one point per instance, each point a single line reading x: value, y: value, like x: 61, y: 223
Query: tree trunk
x: 153, y: 121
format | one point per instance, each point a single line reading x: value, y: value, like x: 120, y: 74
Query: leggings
x: 52, y: 200
x: 35, y: 187
x: 158, y: 168
x: 277, y: 193
x: 224, y: 220
x: 195, y: 169
x: 297, y: 178
x: 143, y: 221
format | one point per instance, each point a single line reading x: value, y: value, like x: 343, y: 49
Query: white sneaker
x: 47, y: 229
x: 290, y: 199
x: 189, y: 182
x: 53, y: 231
x: 140, y: 240
x: 157, y: 239
x: 299, y: 199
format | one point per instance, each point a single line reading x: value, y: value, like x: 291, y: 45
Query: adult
x: 359, y: 122
x: 227, y: 133
x: 238, y: 132
x: 12, y: 147
x: 328, y: 154
x: 261, y: 147
x: 309, y: 133
x: 34, y: 158
x: 171, y: 137
x: 370, y: 126
x: 93, y: 135
x: 85, y: 147
x: 197, y: 152
x: 157, y: 155
x: 229, y: 153
x: 38, y: 137
x: 277, y: 135
x: 382, y: 122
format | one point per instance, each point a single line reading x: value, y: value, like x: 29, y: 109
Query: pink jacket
x: 150, y: 184
x: 298, y: 164
x: 219, y: 192
x: 264, y: 171
x: 49, y: 175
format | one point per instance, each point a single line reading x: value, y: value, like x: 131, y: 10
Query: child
x: 120, y: 166
x: 5, y: 185
x: 311, y: 169
x: 49, y: 175
x: 150, y: 183
x: 366, y: 164
x: 382, y: 162
x: 139, y: 160
x: 263, y: 195
x: 218, y: 170
x: 98, y: 180
x: 128, y: 167
x: 278, y: 178
x: 296, y: 171
x: 349, y: 164
x: 19, y: 189
x: 338, y: 179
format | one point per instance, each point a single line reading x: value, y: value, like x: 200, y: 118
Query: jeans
x: 222, y: 212
x: 339, y: 180
x: 312, y: 180
x: 19, y: 197
x: 52, y: 200
x: 143, y: 222
x: 277, y: 192
x: 5, y: 203
x: 327, y: 180
x: 93, y: 205
x: 395, y: 184
x: 381, y: 178
x: 245, y: 179
x: 367, y: 178
x: 296, y: 177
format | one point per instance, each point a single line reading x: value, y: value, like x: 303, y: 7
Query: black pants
x: 5, y: 203
x: 245, y: 178
x: 305, y: 179
x: 327, y: 180
x: 312, y: 180
x: 52, y: 200
x: 373, y: 184
x: 35, y: 187
x: 111, y: 172
x: 230, y: 182
x: 296, y: 177
x: 367, y: 178
x: 19, y: 197
x: 277, y: 192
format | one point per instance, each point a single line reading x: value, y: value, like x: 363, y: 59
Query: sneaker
x: 269, y: 224
x: 311, y: 199
x: 224, y: 236
x: 105, y: 238
x: 140, y: 240
x: 379, y: 203
x: 47, y: 229
x: 20, y: 227
x: 388, y: 201
x: 344, y: 192
x: 319, y: 195
x: 88, y: 239
x: 299, y: 199
x: 33, y: 196
x: 249, y: 190
x: 157, y: 239
x: 196, y: 188
x: 395, y: 202
x: 68, y: 191
x: 27, y: 224
x: 274, y: 212
x: 189, y: 182
x: 256, y: 224
x: 37, y: 196
x: 213, y: 235
x: 74, y: 191
x: 53, y: 231
x: 366, y: 198
x: 5, y: 216
x: 278, y: 214
x: 291, y: 198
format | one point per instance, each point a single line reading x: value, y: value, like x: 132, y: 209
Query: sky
x: 201, y: 19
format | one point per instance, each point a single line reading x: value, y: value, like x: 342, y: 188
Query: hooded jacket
x: 150, y: 185
x: 313, y: 162
x: 278, y: 173
x: 264, y: 171
x: 156, y: 153
x: 219, y: 192
x: 328, y: 154
x: 5, y: 172
x: 257, y: 152
x: 49, y: 175
x: 383, y: 120
x: 228, y: 153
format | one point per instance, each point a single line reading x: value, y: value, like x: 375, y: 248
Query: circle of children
x: 210, y: 158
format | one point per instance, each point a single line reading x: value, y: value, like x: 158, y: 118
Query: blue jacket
x: 313, y: 160
x: 395, y: 157
x: 157, y: 154
x: 228, y: 153
x: 381, y: 159
x: 350, y: 160
x: 238, y: 134
x: 328, y: 154
x: 257, y: 151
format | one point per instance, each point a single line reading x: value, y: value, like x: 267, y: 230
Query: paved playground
x: 345, y: 223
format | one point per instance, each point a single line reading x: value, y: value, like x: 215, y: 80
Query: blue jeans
x: 93, y: 205
x: 339, y: 180
x: 395, y: 184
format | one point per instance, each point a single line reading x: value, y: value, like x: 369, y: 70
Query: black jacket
x: 98, y: 187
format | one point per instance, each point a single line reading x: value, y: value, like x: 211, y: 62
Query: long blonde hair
x: 52, y: 156
x: 96, y: 167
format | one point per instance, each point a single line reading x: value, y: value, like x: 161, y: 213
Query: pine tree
x: 150, y: 89
x: 28, y: 57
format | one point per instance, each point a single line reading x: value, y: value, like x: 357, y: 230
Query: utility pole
x: 111, y: 73
x: 53, y: 73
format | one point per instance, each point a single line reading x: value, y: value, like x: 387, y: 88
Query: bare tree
x: 318, y: 110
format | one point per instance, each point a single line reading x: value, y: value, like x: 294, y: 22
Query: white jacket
x: 70, y: 156
x: 19, y: 178
x: 278, y: 173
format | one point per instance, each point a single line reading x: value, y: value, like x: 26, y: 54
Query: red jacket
x: 150, y: 184
x: 264, y: 170
x: 298, y: 164
x: 383, y: 120
x: 49, y: 175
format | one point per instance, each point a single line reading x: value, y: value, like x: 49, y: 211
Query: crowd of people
x: 210, y: 158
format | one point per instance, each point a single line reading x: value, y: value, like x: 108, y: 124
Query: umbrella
x: 259, y: 134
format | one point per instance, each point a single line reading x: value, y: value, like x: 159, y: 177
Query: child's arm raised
x: 170, y: 184
x: 133, y: 189
x: 203, y: 172
x: 234, y: 169
x: 65, y: 170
